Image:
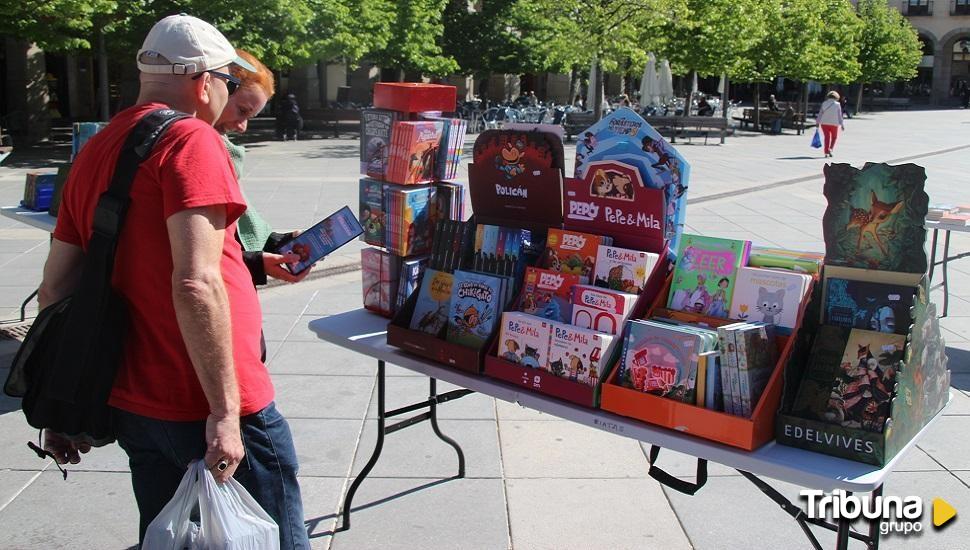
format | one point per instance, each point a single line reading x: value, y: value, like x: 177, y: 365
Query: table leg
x: 874, y: 524
x: 433, y: 407
x: 23, y: 306
x: 946, y: 283
x: 936, y: 233
x: 842, y: 534
x: 349, y: 499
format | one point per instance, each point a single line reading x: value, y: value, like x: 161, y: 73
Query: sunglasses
x: 232, y: 83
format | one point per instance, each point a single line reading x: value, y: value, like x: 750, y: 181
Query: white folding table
x: 40, y: 220
x: 365, y: 333
x: 945, y: 258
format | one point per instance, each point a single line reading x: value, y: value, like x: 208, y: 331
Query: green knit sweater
x: 253, y: 229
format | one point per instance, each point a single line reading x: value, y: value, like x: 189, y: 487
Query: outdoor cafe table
x: 365, y: 333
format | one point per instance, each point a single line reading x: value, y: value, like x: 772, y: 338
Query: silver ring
x: 222, y: 466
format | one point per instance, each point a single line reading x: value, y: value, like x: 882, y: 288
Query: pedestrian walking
x: 191, y: 384
x: 830, y: 120
x: 289, y: 122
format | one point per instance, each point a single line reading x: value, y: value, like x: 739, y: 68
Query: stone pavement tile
x: 12, y: 482
x: 964, y: 476
x: 13, y: 296
x: 286, y: 299
x: 14, y: 453
x: 956, y: 329
x: 404, y: 391
x: 406, y: 514
x: 277, y: 326
x: 559, y: 514
x: 321, y: 496
x: 416, y: 452
x: 272, y: 347
x: 20, y: 276
x: 301, y: 330
x: 321, y: 358
x: 564, y: 449
x: 88, y: 510
x: 513, y: 411
x: 958, y: 307
x: 304, y: 396
x: 959, y: 405
x: 930, y: 485
x: 325, y: 448
x: 945, y: 442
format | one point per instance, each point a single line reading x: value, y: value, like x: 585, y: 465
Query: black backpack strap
x: 89, y: 303
x: 674, y: 483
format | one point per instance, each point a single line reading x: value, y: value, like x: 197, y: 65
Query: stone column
x: 27, y: 92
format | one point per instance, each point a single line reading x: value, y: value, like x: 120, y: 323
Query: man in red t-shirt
x: 192, y: 384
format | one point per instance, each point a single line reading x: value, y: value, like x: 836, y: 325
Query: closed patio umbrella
x: 665, y: 85
x: 649, y: 85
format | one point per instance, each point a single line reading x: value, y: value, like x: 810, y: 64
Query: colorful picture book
x: 524, y: 339
x: 477, y: 301
x: 850, y: 377
x: 779, y: 258
x: 547, y: 293
x: 329, y: 234
x: 431, y: 309
x: 449, y: 201
x: 579, y: 354
x: 881, y: 307
x: 414, y: 151
x: 769, y: 296
x: 705, y: 274
x: 661, y: 357
x: 601, y: 309
x: 376, y: 126
x: 450, y: 149
x: 407, y: 215
x: 572, y: 252
x: 623, y: 269
x: 409, y: 279
x: 379, y: 275
x: 371, y: 212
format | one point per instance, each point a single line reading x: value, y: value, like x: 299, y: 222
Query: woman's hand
x: 274, y: 266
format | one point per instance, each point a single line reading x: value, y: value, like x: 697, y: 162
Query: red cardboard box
x: 413, y: 97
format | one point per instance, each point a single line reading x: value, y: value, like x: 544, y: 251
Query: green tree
x: 484, y: 41
x: 414, y: 44
x: 836, y: 58
x: 889, y: 47
x: 54, y: 24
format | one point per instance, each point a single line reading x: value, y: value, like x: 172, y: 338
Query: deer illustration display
x: 868, y: 221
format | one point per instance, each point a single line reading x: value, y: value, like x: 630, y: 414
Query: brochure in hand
x: 331, y: 233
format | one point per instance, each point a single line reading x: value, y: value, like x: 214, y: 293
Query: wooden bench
x: 575, y: 122
x: 889, y: 102
x: 330, y: 119
x: 767, y: 120
x: 674, y: 126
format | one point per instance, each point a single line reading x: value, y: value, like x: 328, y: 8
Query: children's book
x: 375, y: 140
x: 579, y: 354
x: 713, y: 391
x: 572, y: 252
x: 705, y: 274
x: 661, y: 358
x: 881, y: 307
x: 415, y: 152
x: 757, y: 356
x: 792, y: 260
x: 524, y: 339
x: 850, y: 377
x: 769, y: 296
x: 409, y: 279
x: 623, y: 269
x: 431, y: 310
x: 547, y: 294
x: 379, y: 275
x: 601, y: 309
x: 371, y: 213
x: 407, y: 214
x: 327, y: 235
x: 476, y: 305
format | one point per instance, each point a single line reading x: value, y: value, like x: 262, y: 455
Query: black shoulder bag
x: 66, y: 366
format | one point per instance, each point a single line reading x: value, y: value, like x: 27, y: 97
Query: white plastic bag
x: 228, y: 518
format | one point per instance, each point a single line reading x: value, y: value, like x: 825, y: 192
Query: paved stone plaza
x: 532, y: 481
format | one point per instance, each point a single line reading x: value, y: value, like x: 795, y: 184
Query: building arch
x: 954, y: 66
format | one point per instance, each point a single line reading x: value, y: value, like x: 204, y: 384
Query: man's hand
x: 63, y: 449
x: 273, y: 265
x: 223, y: 443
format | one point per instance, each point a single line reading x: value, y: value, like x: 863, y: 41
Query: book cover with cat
x: 375, y: 140
x: 431, y: 310
x: 875, y: 217
x: 660, y: 359
x: 524, y: 339
x: 705, y: 275
x: 769, y: 296
x: 414, y: 152
x: 881, y: 307
x: 578, y: 354
x: 601, y: 309
x: 572, y: 252
x: 476, y: 306
x: 850, y: 377
x: 546, y: 294
x: 623, y: 269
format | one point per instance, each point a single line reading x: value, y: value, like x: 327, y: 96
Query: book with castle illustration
x: 705, y: 275
x: 850, y: 377
x: 875, y: 217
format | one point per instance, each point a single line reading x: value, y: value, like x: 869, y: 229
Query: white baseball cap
x: 190, y: 44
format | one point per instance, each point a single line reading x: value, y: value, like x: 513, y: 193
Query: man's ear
x: 203, y: 87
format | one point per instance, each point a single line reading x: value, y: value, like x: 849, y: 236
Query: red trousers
x: 831, y: 133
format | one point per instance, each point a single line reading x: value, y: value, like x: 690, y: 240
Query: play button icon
x: 942, y: 512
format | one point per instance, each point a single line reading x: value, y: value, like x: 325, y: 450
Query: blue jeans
x: 159, y: 452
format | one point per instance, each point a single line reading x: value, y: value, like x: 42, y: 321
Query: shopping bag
x: 204, y: 514
x: 816, y: 140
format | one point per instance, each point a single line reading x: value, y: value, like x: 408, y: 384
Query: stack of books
x: 452, y: 144
x: 407, y: 211
x: 414, y: 151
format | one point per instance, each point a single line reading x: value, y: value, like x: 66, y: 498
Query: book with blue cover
x: 881, y: 307
x: 371, y: 212
x: 476, y: 305
x: 331, y: 233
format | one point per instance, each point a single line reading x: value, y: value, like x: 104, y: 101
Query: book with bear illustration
x: 705, y: 275
x: 769, y: 296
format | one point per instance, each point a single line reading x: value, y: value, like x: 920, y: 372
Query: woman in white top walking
x: 830, y: 120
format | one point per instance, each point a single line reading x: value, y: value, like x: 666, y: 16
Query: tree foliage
x: 789, y: 45
x: 415, y: 39
x: 54, y: 24
x: 488, y: 39
x: 713, y: 36
x: 889, y: 47
x: 837, y: 51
